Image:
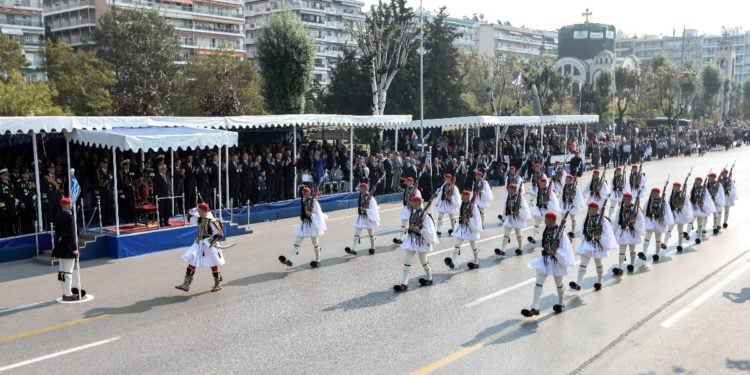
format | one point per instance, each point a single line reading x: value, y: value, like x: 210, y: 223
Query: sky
x: 640, y: 17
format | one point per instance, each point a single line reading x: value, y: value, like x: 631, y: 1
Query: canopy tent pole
x: 351, y: 158
x: 172, y: 172
x: 294, y: 162
x: 541, y: 137
x: 523, y: 151
x: 565, y: 143
x: 395, y: 138
x: 114, y: 192
x: 219, y: 185
x: 497, y: 141
x: 40, y: 218
x: 73, y: 200
x: 226, y: 157
x: 585, y: 139
x: 467, y: 142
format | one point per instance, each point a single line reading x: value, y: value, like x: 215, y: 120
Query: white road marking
x: 672, y: 320
x: 499, y: 293
x: 22, y: 307
x: 58, y: 354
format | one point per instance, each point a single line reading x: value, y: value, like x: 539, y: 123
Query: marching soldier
x: 730, y: 193
x: 516, y: 214
x: 545, y: 201
x: 448, y: 202
x: 557, y: 260
x: 368, y: 217
x: 312, y: 224
x: 204, y: 253
x: 619, y: 188
x: 469, y: 229
x: 104, y: 190
x: 658, y: 220
x: 536, y: 175
x: 629, y: 226
x: 682, y: 211
x: 410, y: 191
x: 126, y: 191
x: 26, y: 195
x: 558, y: 177
x: 637, y: 179
x: 53, y: 188
x: 716, y: 190
x: 422, y: 236
x: 512, y: 177
x: 483, y: 191
x: 8, y: 203
x: 702, y: 206
x: 598, y: 241
x: 597, y: 190
x: 571, y: 200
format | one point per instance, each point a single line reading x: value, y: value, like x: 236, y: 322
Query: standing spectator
x: 397, y: 163
x: 103, y: 190
x: 163, y: 189
x: 235, y: 182
x: 190, y: 182
x: 178, y: 173
x: 203, y: 174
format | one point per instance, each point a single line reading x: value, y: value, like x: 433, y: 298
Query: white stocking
x: 425, y: 265
x: 408, y: 258
x: 538, y: 288
x: 295, y: 249
x: 66, y: 273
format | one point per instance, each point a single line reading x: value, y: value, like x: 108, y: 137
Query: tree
x: 11, y: 56
x: 142, y: 49
x: 626, y: 82
x: 218, y: 85
x: 596, y: 95
x: 746, y: 99
x: 286, y: 55
x: 21, y: 98
x: 385, y: 40
x: 81, y: 80
x: 489, y: 82
x: 544, y: 84
x: 347, y: 93
x: 712, y: 84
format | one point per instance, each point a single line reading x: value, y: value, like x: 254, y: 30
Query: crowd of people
x: 263, y: 173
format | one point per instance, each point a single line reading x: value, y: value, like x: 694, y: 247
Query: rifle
x: 558, y: 234
x: 517, y: 201
x: 636, y: 207
x: 731, y: 170
x: 664, y: 191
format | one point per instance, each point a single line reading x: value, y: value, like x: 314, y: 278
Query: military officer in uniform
x: 103, y: 190
x: 26, y: 194
x: 8, y: 202
x: 53, y: 189
x: 126, y: 191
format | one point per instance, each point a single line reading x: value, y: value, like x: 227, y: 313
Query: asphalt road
x: 686, y: 314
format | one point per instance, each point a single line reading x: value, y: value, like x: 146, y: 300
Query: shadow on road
x: 143, y: 306
x: 739, y: 364
x: 372, y: 299
x: 741, y: 297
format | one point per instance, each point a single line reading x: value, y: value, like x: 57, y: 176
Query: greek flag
x: 75, y: 188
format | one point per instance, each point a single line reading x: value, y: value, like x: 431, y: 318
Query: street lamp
x: 421, y: 75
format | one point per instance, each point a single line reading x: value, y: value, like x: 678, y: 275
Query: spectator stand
x: 28, y: 246
x: 137, y: 137
x: 293, y: 123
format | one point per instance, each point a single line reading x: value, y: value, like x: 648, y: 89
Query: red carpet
x: 131, y: 228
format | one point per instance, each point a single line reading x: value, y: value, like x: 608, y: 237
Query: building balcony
x: 27, y: 4
x: 67, y: 6
x: 196, y: 9
x: 21, y: 23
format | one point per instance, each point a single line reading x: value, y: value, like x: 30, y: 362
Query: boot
x: 188, y: 280
x: 217, y: 282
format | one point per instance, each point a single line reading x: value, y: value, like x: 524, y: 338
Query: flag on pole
x: 519, y: 80
x: 75, y: 188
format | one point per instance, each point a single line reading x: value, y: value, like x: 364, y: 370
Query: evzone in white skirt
x: 201, y: 254
x: 563, y: 262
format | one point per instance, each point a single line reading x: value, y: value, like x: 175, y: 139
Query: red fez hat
x: 557, y: 162
x: 596, y: 171
x: 550, y: 215
x: 724, y: 171
x: 537, y: 164
x: 618, y: 169
x: 424, y: 165
x: 478, y: 173
x: 416, y: 198
x: 593, y: 205
x: 410, y: 179
x: 712, y: 174
x: 569, y: 177
x: 698, y: 179
x: 655, y: 190
x: 543, y: 179
x: 448, y: 175
x: 634, y: 166
x: 676, y: 184
x: 64, y: 201
x: 203, y: 206
x: 627, y: 194
x: 306, y: 189
x: 363, y: 184
x: 512, y: 186
x: 512, y: 168
x: 466, y: 193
